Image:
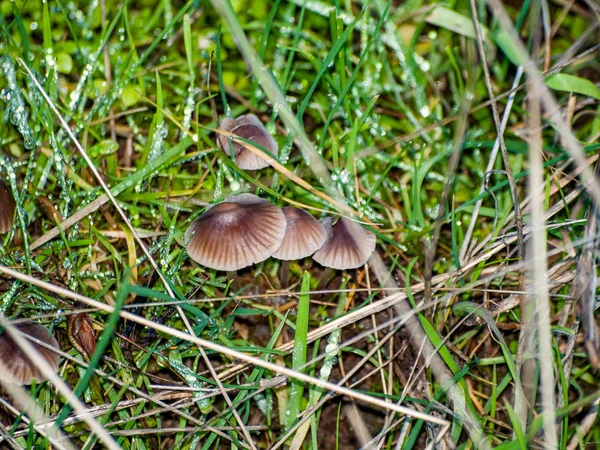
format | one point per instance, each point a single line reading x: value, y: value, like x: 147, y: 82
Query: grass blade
x: 299, y: 353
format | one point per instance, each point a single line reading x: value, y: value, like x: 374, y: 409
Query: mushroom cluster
x: 244, y: 229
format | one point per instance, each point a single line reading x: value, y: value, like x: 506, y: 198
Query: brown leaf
x: 81, y: 334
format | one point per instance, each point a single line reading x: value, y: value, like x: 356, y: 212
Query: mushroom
x: 80, y: 332
x: 251, y: 128
x: 7, y: 208
x: 304, y: 235
x: 15, y: 365
x: 240, y: 231
x: 348, y: 246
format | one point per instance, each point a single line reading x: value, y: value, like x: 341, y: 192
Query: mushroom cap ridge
x: 304, y: 235
x: 348, y: 245
x: 240, y: 231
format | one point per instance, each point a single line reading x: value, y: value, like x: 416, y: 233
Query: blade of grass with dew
x: 51, y: 69
x: 332, y: 351
x: 444, y: 17
x: 189, y: 100
x: 356, y: 126
x: 226, y: 107
x: 133, y: 54
x: 267, y: 30
x: 296, y: 389
x: 21, y: 27
x: 157, y: 132
x: 191, y: 379
x: 420, y: 172
x: 293, y: 49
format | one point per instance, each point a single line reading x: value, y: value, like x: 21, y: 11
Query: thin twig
x: 539, y: 266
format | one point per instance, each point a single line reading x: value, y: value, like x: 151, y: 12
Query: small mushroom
x: 348, y: 246
x: 304, y: 235
x: 7, y: 208
x: 15, y: 366
x: 240, y: 231
x: 251, y: 128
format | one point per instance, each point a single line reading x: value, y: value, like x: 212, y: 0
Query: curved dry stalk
x: 289, y: 174
x: 540, y: 270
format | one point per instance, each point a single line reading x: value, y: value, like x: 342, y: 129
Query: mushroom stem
x: 324, y: 279
x: 284, y: 279
x: 235, y: 281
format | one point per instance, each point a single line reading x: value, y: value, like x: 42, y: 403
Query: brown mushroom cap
x: 304, y: 235
x: 348, y: 245
x: 15, y: 366
x: 7, y: 208
x: 251, y: 128
x: 240, y: 231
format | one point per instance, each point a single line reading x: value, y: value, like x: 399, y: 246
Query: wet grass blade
x: 299, y: 353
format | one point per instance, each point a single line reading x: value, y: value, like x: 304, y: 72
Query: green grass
x: 367, y: 101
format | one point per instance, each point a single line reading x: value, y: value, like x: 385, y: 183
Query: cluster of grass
x: 464, y: 329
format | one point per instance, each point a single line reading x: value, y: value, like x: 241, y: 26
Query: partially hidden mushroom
x: 15, y: 365
x: 7, y: 208
x: 240, y: 231
x: 248, y: 127
x: 304, y: 235
x: 80, y: 332
x: 348, y: 246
